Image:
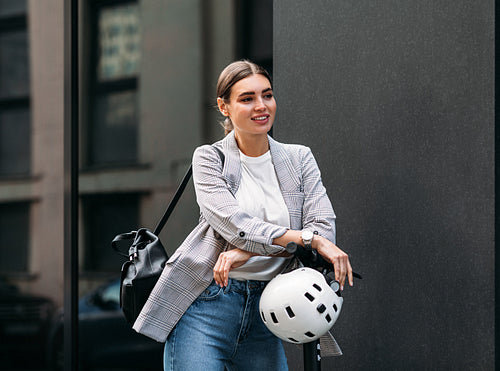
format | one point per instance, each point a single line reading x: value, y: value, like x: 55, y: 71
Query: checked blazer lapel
x: 232, y: 165
x: 288, y: 177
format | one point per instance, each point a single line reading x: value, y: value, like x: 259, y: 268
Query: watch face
x: 307, y: 235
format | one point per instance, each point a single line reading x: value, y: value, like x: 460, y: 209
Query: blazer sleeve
x: 317, y: 211
x: 221, y: 210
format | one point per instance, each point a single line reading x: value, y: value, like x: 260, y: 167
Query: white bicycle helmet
x: 299, y: 306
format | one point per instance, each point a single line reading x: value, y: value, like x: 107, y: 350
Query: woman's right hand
x: 228, y: 260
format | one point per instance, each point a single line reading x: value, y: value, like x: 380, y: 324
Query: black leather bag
x: 141, y: 272
x: 146, y: 259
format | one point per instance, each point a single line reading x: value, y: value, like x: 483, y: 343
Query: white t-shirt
x: 259, y: 195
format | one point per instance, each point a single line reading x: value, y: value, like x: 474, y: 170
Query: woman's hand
x: 337, y: 257
x: 228, y: 260
x: 326, y: 249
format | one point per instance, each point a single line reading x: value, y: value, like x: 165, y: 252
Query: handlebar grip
x: 291, y: 247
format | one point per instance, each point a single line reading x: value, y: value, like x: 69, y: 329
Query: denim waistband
x: 245, y: 286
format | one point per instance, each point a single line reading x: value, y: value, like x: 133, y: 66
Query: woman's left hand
x: 333, y: 254
x: 228, y: 260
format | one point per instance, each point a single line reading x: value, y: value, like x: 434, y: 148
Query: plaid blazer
x: 223, y: 225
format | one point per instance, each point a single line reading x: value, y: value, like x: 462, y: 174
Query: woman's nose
x: 259, y: 104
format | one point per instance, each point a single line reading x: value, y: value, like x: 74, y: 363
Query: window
x: 14, y: 237
x: 115, y: 56
x: 15, y: 133
x: 105, y: 216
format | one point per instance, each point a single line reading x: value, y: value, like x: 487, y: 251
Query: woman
x: 255, y: 196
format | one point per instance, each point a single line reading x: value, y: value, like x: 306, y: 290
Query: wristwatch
x: 307, y: 237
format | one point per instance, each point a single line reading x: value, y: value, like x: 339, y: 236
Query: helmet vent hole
x: 289, y: 311
x: 317, y: 287
x: 321, y: 308
x: 293, y: 340
x: 309, y: 296
x: 309, y: 334
x: 335, y: 307
x: 273, y: 316
x: 328, y: 318
x: 263, y: 317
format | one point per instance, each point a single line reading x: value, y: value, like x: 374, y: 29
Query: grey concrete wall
x: 396, y: 99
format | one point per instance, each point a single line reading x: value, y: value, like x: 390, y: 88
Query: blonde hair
x: 233, y: 73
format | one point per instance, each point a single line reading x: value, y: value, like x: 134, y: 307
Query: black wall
x: 396, y: 99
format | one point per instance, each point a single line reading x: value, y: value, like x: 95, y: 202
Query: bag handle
x: 178, y: 194
x: 138, y: 236
x: 122, y: 237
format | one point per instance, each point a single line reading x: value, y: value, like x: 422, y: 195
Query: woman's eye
x: 268, y: 96
x: 247, y: 99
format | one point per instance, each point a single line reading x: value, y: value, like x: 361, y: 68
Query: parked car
x: 24, y: 322
x: 106, y: 339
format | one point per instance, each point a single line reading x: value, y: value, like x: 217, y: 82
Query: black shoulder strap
x: 178, y: 195
x: 221, y: 154
x: 174, y: 201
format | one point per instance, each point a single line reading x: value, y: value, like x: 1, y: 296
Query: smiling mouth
x: 261, y: 118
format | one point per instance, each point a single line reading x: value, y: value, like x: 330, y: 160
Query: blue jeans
x: 223, y: 329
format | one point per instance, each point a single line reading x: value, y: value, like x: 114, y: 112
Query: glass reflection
x: 14, y: 71
x: 114, y: 129
x: 119, y: 42
x: 12, y: 7
x: 122, y: 105
x: 15, y: 143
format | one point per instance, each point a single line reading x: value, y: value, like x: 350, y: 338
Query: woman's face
x: 251, y: 106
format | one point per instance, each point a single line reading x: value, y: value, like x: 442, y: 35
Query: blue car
x: 106, y: 339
